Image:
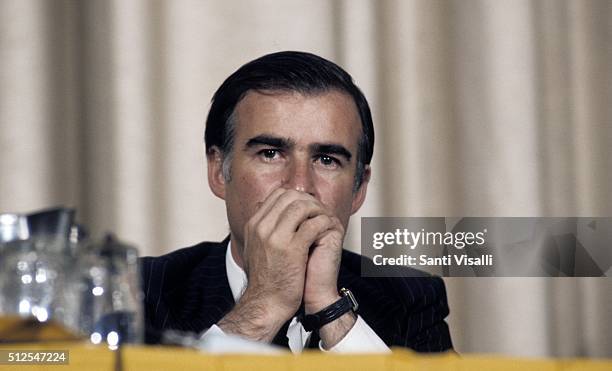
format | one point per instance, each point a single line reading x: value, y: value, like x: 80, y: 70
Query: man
x: 289, y: 140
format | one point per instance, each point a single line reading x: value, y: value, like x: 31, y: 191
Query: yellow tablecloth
x: 89, y: 357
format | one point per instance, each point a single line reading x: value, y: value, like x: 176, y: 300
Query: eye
x: 269, y: 154
x: 328, y: 161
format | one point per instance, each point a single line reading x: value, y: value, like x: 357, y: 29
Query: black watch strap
x: 317, y: 320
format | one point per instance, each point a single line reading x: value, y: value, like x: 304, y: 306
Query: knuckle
x: 274, y: 238
x: 309, y: 225
x: 260, y: 231
x: 317, y: 223
x: 295, y: 206
x: 296, y: 193
x: 289, y: 194
x: 313, y: 204
x: 323, y: 219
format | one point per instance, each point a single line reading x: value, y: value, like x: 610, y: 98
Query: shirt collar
x: 235, y: 275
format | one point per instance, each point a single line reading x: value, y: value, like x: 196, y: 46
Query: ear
x: 216, y: 180
x: 360, y: 194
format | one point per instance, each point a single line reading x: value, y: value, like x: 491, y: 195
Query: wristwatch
x: 315, y: 321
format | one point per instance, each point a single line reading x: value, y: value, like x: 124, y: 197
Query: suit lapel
x: 205, y: 297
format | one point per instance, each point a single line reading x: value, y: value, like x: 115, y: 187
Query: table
x: 84, y: 356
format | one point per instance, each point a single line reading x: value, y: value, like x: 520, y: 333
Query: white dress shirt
x: 360, y: 338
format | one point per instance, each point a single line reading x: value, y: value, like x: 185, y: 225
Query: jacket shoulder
x: 171, y: 269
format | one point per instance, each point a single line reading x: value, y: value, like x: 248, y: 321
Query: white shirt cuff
x: 214, y: 330
x: 214, y: 340
x: 360, y: 339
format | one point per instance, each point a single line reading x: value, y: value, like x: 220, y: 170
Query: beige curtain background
x: 482, y: 108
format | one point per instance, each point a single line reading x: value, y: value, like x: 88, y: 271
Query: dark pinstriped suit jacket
x: 188, y: 290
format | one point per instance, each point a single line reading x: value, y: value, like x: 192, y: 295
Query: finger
x: 270, y: 221
x: 296, y: 213
x: 335, y: 228
x: 333, y: 237
x: 337, y: 225
x: 265, y: 205
x: 311, y: 229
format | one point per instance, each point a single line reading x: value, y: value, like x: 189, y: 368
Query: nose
x: 299, y: 176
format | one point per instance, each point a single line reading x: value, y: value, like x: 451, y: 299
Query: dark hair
x: 305, y: 73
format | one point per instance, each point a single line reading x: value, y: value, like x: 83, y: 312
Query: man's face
x: 294, y: 141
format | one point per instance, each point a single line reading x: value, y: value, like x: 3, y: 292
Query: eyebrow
x: 269, y: 140
x: 286, y: 144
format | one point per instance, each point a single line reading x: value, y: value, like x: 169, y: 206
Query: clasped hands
x: 292, y: 251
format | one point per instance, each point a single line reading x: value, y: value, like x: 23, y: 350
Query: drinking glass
x: 109, y: 297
